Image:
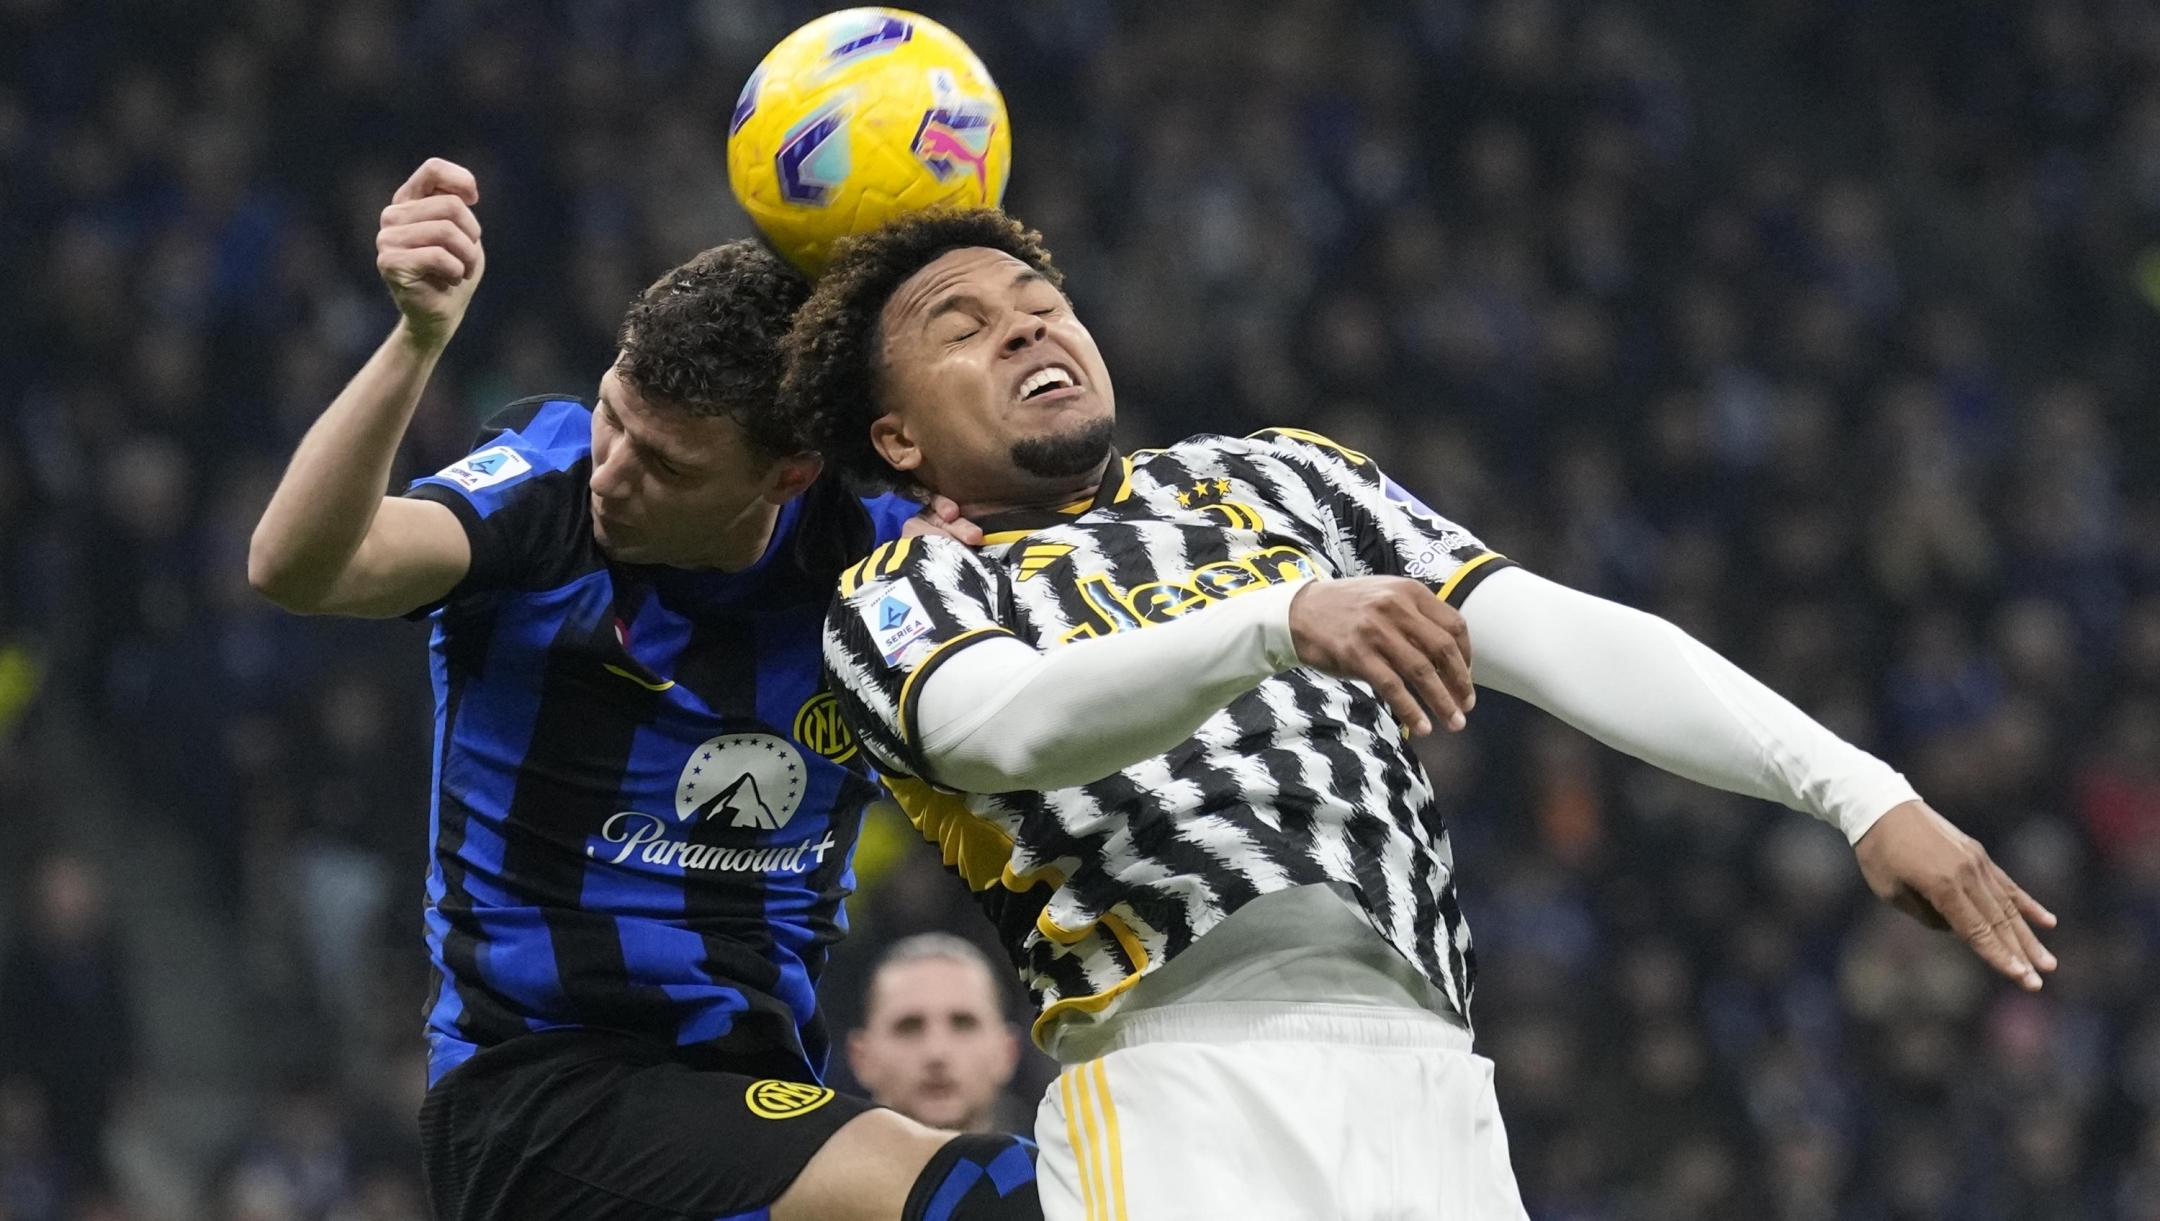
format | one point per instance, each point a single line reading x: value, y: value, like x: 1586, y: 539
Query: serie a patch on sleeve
x: 485, y: 469
x: 896, y: 619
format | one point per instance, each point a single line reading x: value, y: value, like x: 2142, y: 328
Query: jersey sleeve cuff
x: 1857, y: 811
x: 468, y: 519
x: 1469, y: 575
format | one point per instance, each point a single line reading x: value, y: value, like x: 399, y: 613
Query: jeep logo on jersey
x: 752, y: 781
x: 1110, y: 610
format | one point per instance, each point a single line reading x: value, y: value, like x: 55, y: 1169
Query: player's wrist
x: 1278, y: 639
x: 424, y: 337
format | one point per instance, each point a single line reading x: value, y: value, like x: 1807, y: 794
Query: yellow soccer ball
x: 858, y: 117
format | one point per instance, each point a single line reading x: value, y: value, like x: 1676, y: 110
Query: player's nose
x: 1022, y: 331
x: 610, y: 476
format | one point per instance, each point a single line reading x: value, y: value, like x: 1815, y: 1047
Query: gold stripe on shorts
x: 1117, y: 1146
x: 1074, y: 1136
x: 1096, y: 1177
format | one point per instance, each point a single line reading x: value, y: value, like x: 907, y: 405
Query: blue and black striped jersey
x: 644, y: 803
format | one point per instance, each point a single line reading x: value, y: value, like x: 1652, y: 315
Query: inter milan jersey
x: 1306, y: 778
x: 643, y: 804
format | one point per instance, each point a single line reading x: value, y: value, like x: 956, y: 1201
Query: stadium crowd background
x: 1826, y: 330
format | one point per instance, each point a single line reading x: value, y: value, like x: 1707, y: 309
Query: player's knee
x: 977, y: 1178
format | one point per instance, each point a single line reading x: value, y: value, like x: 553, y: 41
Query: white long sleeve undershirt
x: 1642, y: 686
x: 1000, y: 715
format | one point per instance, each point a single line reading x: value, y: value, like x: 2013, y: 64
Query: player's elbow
x: 276, y: 577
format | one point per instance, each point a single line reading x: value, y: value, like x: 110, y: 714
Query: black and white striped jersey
x: 1306, y: 778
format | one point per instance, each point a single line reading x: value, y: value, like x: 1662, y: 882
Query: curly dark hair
x: 831, y: 353
x: 705, y: 338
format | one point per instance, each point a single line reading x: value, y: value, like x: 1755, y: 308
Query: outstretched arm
x: 1642, y: 686
x: 330, y: 542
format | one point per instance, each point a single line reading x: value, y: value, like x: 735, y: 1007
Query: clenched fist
x: 428, y: 249
x: 1393, y: 634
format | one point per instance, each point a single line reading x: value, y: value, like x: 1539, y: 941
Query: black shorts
x: 588, y: 1126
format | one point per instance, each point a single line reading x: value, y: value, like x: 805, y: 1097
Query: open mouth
x: 1046, y: 381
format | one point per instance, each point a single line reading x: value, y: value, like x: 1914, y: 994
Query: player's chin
x: 944, y: 1109
x: 1071, y: 422
x: 620, y: 548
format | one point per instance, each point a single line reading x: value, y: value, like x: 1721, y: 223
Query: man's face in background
x: 934, y: 1045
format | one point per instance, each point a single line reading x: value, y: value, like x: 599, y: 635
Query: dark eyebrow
x: 961, y: 300
x: 952, y: 303
x: 642, y: 444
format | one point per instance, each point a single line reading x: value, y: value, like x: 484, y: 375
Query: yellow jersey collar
x: 1015, y: 524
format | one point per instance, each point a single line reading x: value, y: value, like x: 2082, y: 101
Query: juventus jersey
x: 1307, y: 778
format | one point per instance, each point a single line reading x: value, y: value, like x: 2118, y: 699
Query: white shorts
x: 1277, y: 1113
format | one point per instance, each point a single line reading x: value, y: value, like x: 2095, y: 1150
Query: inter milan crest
x: 819, y: 726
x: 770, y: 1099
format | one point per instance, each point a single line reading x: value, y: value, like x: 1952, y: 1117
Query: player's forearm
x: 1641, y: 685
x: 1001, y: 716
x: 332, y: 490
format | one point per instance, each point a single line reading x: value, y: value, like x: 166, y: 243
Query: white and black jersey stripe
x: 1307, y: 778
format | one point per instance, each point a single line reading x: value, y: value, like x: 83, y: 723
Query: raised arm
x: 330, y: 541
x: 1642, y: 686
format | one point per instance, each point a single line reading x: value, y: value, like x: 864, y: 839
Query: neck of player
x: 740, y: 541
x: 1035, y: 492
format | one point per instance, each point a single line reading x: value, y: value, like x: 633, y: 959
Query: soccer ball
x: 858, y: 117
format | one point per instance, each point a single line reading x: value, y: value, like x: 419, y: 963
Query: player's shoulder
x: 1301, y: 443
x: 541, y: 419
x: 1268, y: 442
x: 532, y: 436
x: 1286, y: 456
x: 918, y: 554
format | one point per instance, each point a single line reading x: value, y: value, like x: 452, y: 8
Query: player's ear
x: 791, y: 477
x: 858, y: 1055
x: 1009, y: 1053
x: 890, y: 437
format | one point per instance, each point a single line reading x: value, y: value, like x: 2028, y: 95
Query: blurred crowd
x: 1825, y: 330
